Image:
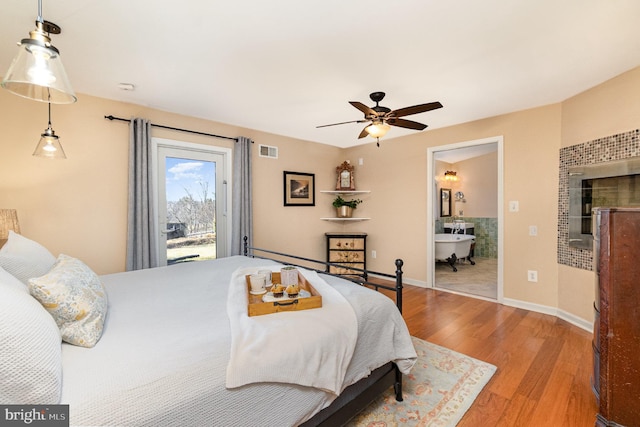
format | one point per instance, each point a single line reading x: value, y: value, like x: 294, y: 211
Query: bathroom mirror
x: 445, y: 202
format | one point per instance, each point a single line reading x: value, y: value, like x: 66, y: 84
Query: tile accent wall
x: 486, y: 232
x: 615, y: 147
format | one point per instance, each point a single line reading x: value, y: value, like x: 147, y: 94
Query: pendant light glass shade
x: 36, y: 71
x: 49, y: 145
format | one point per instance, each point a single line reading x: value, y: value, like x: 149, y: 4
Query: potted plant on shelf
x: 344, y: 208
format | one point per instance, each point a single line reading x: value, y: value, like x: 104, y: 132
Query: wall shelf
x: 345, y: 219
x: 345, y: 191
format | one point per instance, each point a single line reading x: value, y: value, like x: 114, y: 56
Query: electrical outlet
x: 532, y: 275
x: 533, y: 230
x: 373, y: 254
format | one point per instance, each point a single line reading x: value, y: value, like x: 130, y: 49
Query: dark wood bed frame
x: 357, y: 396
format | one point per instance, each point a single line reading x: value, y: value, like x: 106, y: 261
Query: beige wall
x: 477, y: 179
x: 78, y: 206
x: 607, y: 109
x: 396, y: 174
x: 479, y: 183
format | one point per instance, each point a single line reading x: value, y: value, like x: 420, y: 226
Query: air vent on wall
x: 268, y: 151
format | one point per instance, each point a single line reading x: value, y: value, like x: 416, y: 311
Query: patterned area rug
x: 441, y: 387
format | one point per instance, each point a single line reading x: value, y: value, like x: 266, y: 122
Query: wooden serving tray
x: 257, y: 308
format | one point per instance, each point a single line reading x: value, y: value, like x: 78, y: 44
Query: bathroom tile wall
x: 615, y: 147
x: 486, y: 232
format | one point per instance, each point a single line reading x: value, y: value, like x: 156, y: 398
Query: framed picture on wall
x: 445, y: 202
x: 299, y: 189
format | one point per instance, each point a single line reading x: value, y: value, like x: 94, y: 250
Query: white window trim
x: 157, y: 143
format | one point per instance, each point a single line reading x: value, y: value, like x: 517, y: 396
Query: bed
x: 164, y: 357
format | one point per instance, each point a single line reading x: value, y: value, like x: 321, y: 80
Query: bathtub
x: 451, y: 247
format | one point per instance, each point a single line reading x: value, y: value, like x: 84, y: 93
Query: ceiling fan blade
x: 366, y: 110
x: 403, y: 123
x: 364, y: 133
x: 343, y: 123
x: 407, y: 111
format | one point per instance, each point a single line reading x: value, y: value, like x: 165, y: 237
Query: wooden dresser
x: 616, y: 343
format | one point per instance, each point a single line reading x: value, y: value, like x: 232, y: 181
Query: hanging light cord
x: 49, y: 130
x: 48, y: 90
x: 40, y: 12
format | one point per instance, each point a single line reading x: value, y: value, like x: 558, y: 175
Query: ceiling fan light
x: 37, y: 72
x: 378, y: 130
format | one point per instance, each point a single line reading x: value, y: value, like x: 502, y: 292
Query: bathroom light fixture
x: 36, y: 71
x: 450, y: 176
x: 49, y: 145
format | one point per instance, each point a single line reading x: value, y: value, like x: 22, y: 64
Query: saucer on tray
x: 264, y: 291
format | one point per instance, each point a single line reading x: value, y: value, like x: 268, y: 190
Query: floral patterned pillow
x: 73, y: 294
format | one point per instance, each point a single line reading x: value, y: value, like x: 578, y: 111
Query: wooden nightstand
x: 348, y: 249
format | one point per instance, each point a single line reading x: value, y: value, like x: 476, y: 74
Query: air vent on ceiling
x: 268, y: 151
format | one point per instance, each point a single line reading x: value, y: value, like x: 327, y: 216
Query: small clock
x: 345, y: 177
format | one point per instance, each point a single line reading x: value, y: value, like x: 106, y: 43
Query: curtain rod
x: 178, y: 129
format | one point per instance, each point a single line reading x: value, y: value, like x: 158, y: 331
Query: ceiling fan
x: 382, y: 118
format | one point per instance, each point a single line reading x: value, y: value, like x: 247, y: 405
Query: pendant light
x: 49, y: 145
x: 37, y: 71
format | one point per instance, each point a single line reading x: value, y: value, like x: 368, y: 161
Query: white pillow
x: 8, y: 280
x: 73, y: 294
x: 25, y: 258
x: 30, y: 349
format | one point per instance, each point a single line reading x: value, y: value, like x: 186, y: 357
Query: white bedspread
x: 308, y: 347
x: 165, y: 348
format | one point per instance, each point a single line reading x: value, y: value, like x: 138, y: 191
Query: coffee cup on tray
x: 267, y: 278
x: 257, y: 282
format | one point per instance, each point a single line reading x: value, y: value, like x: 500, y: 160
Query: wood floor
x: 544, y: 363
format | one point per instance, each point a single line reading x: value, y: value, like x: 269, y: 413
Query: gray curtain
x: 242, y: 210
x: 141, y: 241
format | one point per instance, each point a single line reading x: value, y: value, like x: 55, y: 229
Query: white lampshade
x: 37, y: 71
x: 378, y: 129
x: 49, y: 145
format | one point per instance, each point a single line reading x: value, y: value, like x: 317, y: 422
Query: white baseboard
x: 575, y: 320
x: 544, y: 309
x: 406, y: 281
x: 414, y: 282
x: 538, y: 308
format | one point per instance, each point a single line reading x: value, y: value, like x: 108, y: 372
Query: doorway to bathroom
x: 464, y: 242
